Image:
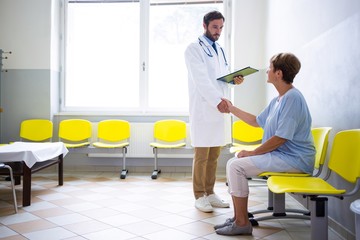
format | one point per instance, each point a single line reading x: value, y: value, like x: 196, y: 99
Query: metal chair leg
x: 156, y: 171
x: 319, y: 218
x: 12, y: 184
x: 124, y: 171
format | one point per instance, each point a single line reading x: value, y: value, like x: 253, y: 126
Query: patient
x: 287, y: 144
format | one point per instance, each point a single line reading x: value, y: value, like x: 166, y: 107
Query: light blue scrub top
x: 289, y: 118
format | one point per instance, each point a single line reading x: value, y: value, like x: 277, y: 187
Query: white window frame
x: 144, y: 58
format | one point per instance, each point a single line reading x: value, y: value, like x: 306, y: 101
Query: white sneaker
x: 215, y: 201
x: 203, y: 205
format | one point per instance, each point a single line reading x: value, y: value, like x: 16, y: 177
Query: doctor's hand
x: 238, y: 80
x: 223, y: 107
x: 228, y: 103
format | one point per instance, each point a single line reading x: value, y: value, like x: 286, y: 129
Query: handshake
x: 224, y: 106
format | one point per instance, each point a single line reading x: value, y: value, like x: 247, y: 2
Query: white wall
x: 25, y: 31
x: 248, y: 49
x: 29, y: 88
x: 325, y: 35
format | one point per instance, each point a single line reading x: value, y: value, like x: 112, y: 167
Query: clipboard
x: 243, y: 72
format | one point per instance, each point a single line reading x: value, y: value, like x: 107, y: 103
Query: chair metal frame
x: 114, y: 133
x: 168, y: 133
x: 344, y: 161
x: 3, y: 165
x: 276, y: 202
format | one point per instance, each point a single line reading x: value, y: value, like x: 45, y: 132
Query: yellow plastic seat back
x: 75, y: 132
x: 36, y: 130
x: 344, y: 161
x: 245, y: 136
x: 245, y: 133
x: 345, y: 155
x: 170, y: 130
x: 321, y: 142
x: 114, y: 130
x: 113, y: 133
x: 169, y: 133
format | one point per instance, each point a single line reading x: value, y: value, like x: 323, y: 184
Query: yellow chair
x: 167, y: 134
x: 245, y: 136
x: 114, y: 133
x: 276, y: 202
x: 2, y: 165
x: 75, y: 132
x: 36, y: 130
x: 344, y: 161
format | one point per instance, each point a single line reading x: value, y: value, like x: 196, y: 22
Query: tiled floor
x: 98, y: 205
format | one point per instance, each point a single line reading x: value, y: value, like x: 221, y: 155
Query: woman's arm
x: 270, y: 145
x: 245, y: 116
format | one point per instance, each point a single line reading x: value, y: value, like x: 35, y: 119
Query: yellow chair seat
x: 308, y: 185
x: 75, y: 133
x: 110, y: 145
x: 76, y: 145
x: 163, y: 145
x: 168, y: 133
x: 285, y: 174
x: 114, y: 133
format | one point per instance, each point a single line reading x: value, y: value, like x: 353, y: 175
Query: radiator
x: 141, y: 134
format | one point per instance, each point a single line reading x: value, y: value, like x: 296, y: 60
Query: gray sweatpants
x: 238, y: 170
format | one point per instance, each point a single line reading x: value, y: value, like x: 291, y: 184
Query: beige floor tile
x: 67, y: 219
x: 169, y: 234
x: 119, y: 219
x: 51, y: 212
x: 99, y: 205
x: 31, y: 226
x: 18, y: 218
x: 87, y: 227
x: 50, y: 234
x: 100, y: 213
x: 148, y: 213
x: 109, y: 234
x: 197, y: 228
x: 142, y: 228
x: 172, y: 220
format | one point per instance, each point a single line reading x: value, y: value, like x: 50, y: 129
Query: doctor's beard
x: 212, y: 37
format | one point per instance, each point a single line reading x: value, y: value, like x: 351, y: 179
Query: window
x: 128, y: 56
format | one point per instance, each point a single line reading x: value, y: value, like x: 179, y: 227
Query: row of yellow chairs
x: 276, y: 202
x: 111, y: 133
x: 344, y: 161
x: 248, y: 137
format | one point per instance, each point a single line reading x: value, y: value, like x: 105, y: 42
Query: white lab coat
x: 208, y: 127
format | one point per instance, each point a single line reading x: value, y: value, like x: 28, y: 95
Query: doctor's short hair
x: 288, y: 63
x: 214, y: 15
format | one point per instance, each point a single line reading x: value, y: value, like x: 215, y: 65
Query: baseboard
x: 340, y: 230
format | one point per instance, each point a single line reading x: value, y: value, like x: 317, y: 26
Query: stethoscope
x: 208, y: 52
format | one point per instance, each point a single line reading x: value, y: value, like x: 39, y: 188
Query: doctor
x: 206, y: 61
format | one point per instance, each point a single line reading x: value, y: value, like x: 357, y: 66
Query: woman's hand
x: 245, y: 153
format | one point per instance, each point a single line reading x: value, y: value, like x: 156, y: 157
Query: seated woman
x: 287, y: 144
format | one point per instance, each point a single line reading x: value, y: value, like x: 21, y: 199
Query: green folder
x: 229, y: 78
